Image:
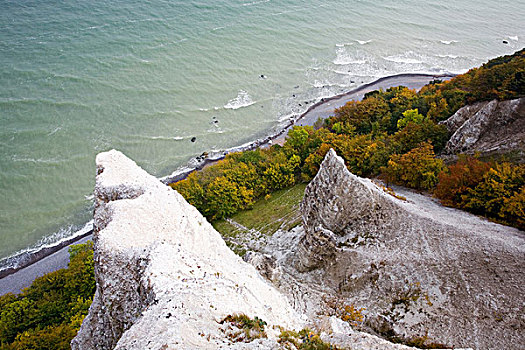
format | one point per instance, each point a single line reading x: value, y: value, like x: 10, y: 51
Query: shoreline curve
x: 199, y: 162
x: 202, y: 161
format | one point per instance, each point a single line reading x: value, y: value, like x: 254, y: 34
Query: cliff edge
x: 489, y: 127
x: 419, y: 270
x: 165, y: 278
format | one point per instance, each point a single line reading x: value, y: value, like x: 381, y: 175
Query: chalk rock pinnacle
x: 165, y: 278
x: 417, y: 267
x: 334, y: 203
x: 490, y: 127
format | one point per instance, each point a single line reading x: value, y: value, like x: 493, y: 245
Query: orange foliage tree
x: 419, y: 168
x: 454, y: 184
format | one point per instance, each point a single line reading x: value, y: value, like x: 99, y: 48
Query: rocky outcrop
x: 492, y: 127
x: 336, y: 202
x: 165, y: 278
x: 419, y: 269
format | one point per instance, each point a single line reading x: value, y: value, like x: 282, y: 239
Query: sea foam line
x: 43, y: 248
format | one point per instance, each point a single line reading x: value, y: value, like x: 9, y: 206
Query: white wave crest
x: 448, y: 42
x: 243, y: 99
x: 17, y: 158
x: 64, y: 234
x: 447, y: 56
x: 166, y: 138
x: 344, y: 58
x: 287, y: 117
x: 406, y: 58
x: 363, y: 42
x: 254, y: 2
x: 514, y: 38
x: 55, y: 131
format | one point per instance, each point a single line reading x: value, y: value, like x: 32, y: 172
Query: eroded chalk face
x: 164, y: 275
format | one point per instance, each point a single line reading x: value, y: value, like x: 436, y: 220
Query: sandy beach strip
x: 46, y: 261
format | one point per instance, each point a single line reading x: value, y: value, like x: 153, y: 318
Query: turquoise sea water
x: 78, y: 78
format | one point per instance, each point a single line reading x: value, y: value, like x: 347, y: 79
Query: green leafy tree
x: 360, y: 116
x: 413, y: 134
x: 224, y: 198
x: 410, y: 116
x: 48, y: 314
x: 493, y: 196
x: 191, y: 190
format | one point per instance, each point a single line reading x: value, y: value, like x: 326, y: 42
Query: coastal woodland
x: 394, y: 135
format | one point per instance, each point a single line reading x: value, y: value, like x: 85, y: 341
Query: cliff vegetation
x: 48, y: 314
x: 394, y: 134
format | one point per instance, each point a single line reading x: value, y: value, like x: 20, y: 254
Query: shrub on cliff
x: 233, y: 184
x: 224, y: 198
x: 410, y: 116
x: 454, y: 183
x: 500, y: 78
x: 361, y: 115
x: 500, y: 195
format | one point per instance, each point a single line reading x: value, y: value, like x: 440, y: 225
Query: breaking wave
x: 243, y: 99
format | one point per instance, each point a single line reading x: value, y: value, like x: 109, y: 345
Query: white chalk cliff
x: 489, y: 127
x: 165, y: 278
x: 418, y: 268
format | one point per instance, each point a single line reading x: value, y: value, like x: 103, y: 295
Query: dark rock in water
x: 300, y: 105
x: 193, y: 139
x: 322, y: 100
x: 296, y: 87
x: 293, y: 95
x: 263, y: 76
x: 505, y: 42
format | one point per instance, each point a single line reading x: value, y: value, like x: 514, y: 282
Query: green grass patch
x: 279, y: 210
